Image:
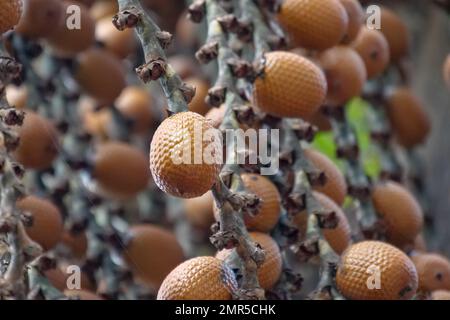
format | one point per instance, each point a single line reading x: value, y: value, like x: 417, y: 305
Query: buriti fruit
x: 10, y: 13
x: 400, y: 212
x: 120, y: 43
x: 291, y: 86
x: 433, y: 270
x: 38, y: 145
x: 199, y: 211
x: 335, y: 186
x: 413, y: 129
x: 345, y: 73
x: 270, y: 270
x: 47, y: 226
x: 152, y: 253
x: 135, y: 103
x: 314, y: 24
x: 103, y: 8
x: 200, y: 278
x: 396, y: 33
x: 373, y: 48
x: 39, y: 18
x: 185, y: 155
x: 374, y: 270
x: 198, y: 103
x: 355, y: 15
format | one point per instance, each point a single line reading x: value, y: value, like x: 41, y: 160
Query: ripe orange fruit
x: 38, y: 142
x: 120, y: 169
x: 152, y: 253
x: 373, y: 48
x: 270, y: 271
x: 440, y: 295
x: 199, y: 211
x: 121, y: 43
x: 136, y: 103
x: 198, y: 103
x: 363, y: 263
x: 10, y: 14
x: 101, y: 75
x: 103, y: 8
x: 82, y: 295
x: 47, y: 225
x: 200, y: 278
x: 345, y: 73
x: 399, y: 210
x: 292, y: 86
x: 172, y: 155
x: 355, y: 15
x: 446, y: 71
x: 314, y: 24
x: 216, y: 115
x: 77, y: 244
x: 335, y: 187
x: 40, y: 17
x: 433, y: 270
x: 396, y: 33
x: 413, y: 129
x: 17, y: 96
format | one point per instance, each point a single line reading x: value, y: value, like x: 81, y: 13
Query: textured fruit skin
x: 120, y: 43
x: 355, y: 15
x: 440, y: 295
x: 201, y: 278
x: 17, y: 96
x: 101, y: 75
x: 398, y: 276
x: 335, y: 187
x: 396, y: 33
x: 82, y: 295
x: 120, y: 169
x: 413, y: 129
x: 136, y: 104
x: 198, y: 103
x: 373, y: 48
x: 152, y: 253
x: 172, y: 138
x: 345, y: 73
x: 39, y: 18
x: 47, y: 225
x: 38, y: 142
x: 446, y: 71
x: 199, y: 211
x: 314, y: 24
x: 10, y: 13
x: 292, y: 86
x: 433, y: 270
x: 400, y: 212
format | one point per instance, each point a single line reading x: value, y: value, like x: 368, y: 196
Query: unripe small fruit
x: 345, y: 73
x: 335, y: 186
x: 172, y: 153
x: 216, y: 115
x: 292, y: 86
x: 38, y: 142
x: 120, y: 43
x: 201, y: 278
x: 362, y: 263
x: 199, y: 211
x: 446, y: 71
x: 136, y: 104
x: 39, y: 18
x: 355, y: 15
x: 17, y: 96
x: 198, y: 103
x: 120, y: 169
x: 10, y: 13
x: 433, y: 270
x: 396, y: 33
x: 152, y: 253
x: 47, y: 227
x: 373, y: 48
x: 78, y: 244
x: 314, y: 24
x: 82, y: 295
x: 440, y: 295
x: 400, y: 212
x: 413, y: 129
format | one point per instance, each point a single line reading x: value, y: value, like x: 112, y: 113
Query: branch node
x: 126, y: 19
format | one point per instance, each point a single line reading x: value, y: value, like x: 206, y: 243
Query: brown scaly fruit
x: 396, y: 33
x: 291, y: 86
x: 172, y: 155
x: 433, y: 270
x: 199, y: 211
x: 136, y: 104
x: 314, y: 24
x: 200, y: 278
x: 355, y: 15
x: 39, y: 18
x: 120, y: 43
x: 361, y: 265
x: 10, y: 13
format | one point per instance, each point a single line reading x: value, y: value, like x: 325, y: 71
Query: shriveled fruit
x: 400, y: 212
x: 345, y: 73
x: 39, y: 18
x: 198, y: 103
x: 440, y: 295
x: 152, y: 253
x: 10, y: 13
x: 365, y: 262
x: 77, y: 243
x: 373, y: 48
x: 433, y: 270
x: 136, y: 103
x: 47, y: 227
x: 180, y: 165
x: 355, y: 15
x: 17, y: 96
x: 446, y: 71
x: 270, y: 271
x: 103, y: 8
x: 314, y: 24
x: 120, y: 169
x: 413, y: 129
x: 291, y: 86
x: 201, y: 278
x: 101, y: 75
x: 335, y: 186
x: 38, y: 142
x: 199, y: 211
x: 396, y: 33
x: 121, y: 43
x: 82, y: 295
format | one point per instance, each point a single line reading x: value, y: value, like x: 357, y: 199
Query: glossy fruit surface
x: 396, y: 33
x: 135, y: 103
x: 39, y: 18
x: 355, y: 15
x: 121, y: 43
x: 201, y: 278
x: 199, y: 211
x: 363, y: 263
x: 433, y: 270
x: 10, y: 13
x: 291, y: 86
